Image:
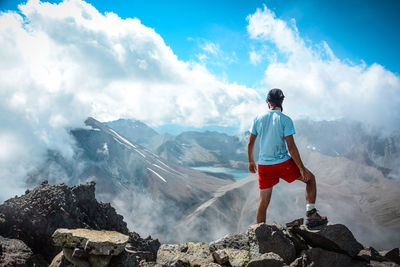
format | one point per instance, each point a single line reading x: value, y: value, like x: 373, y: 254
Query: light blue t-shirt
x: 272, y: 127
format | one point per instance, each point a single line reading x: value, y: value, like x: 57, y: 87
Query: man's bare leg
x: 311, y: 188
x: 313, y: 218
x: 263, y: 202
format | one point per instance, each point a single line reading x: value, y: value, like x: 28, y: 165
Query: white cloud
x: 211, y: 54
x: 255, y: 58
x: 60, y: 63
x: 211, y: 48
x: 319, y: 85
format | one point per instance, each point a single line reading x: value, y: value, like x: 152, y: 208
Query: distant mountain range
x: 188, y: 148
x: 332, y: 138
x: 146, y: 176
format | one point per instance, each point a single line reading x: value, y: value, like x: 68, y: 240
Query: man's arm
x: 294, y: 152
x: 250, y: 149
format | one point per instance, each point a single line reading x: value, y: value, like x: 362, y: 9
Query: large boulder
x: 91, y: 241
x: 333, y: 237
x: 86, y: 248
x: 236, y: 241
x: 188, y: 254
x: 265, y: 238
x: 14, y: 252
x: 35, y: 216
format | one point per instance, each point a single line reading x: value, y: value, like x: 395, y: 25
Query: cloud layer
x: 319, y: 85
x: 60, y: 63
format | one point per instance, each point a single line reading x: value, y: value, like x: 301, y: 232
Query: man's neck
x: 275, y: 108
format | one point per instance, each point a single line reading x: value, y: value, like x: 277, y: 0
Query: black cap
x: 275, y: 97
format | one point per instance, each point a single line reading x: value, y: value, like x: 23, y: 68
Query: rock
x: 392, y: 255
x: 188, y: 254
x: 267, y: 259
x: 147, y: 264
x: 60, y: 261
x: 368, y: 254
x: 145, y: 249
x: 99, y: 260
x: 295, y: 223
x: 300, y: 262
x: 299, y: 242
x: 236, y: 241
x: 92, y: 241
x: 325, y: 258
x: 265, y: 238
x: 14, y: 252
x: 67, y: 252
x: 333, y: 237
x: 35, y: 216
x: 237, y: 257
x: 125, y: 259
x: 79, y: 253
x: 220, y: 256
x: 383, y: 264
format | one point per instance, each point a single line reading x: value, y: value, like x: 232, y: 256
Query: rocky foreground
x: 61, y: 226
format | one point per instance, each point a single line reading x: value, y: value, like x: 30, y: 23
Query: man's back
x: 272, y: 127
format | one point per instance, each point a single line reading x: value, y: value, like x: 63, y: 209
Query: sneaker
x: 314, y: 219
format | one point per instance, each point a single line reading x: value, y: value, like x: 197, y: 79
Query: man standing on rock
x: 276, y: 130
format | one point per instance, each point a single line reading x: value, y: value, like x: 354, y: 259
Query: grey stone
x: 236, y: 241
x: 237, y: 257
x: 188, y: 254
x: 92, y: 241
x: 267, y: 259
x: 14, y: 252
x: 265, y: 238
x: 333, y: 237
x: 220, y: 256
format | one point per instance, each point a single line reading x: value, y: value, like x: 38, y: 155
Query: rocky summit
x: 35, y: 216
x: 65, y: 226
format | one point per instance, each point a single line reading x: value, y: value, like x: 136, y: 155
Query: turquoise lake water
x: 237, y: 174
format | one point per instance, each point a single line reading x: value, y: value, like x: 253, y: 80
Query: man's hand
x: 306, y: 175
x: 252, y: 167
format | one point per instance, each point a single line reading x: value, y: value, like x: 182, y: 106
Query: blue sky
x: 357, y: 30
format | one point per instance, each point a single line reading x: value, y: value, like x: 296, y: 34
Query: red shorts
x: 268, y: 175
